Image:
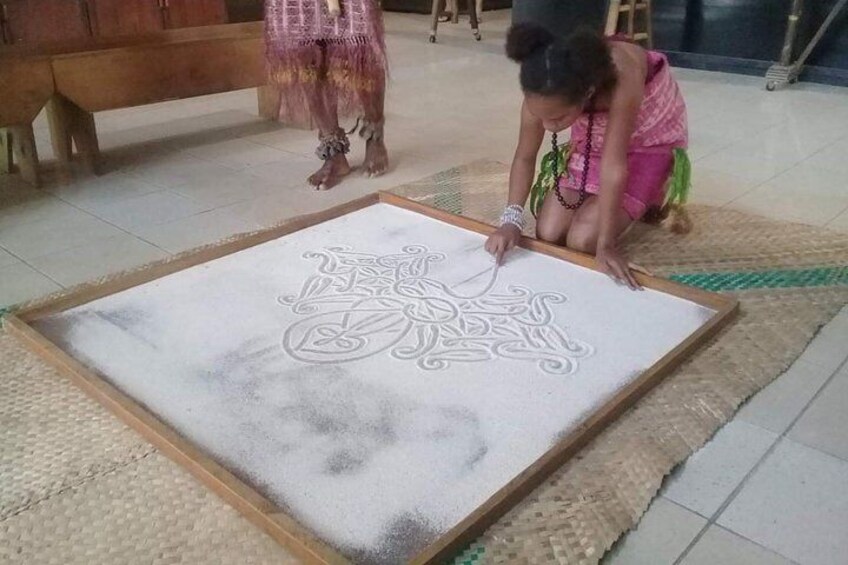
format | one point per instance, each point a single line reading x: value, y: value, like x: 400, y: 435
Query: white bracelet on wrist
x: 513, y: 215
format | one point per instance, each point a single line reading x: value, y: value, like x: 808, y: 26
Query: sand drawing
x: 361, y: 304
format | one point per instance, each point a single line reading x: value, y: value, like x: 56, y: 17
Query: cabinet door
x: 192, y: 13
x: 115, y: 18
x: 45, y: 21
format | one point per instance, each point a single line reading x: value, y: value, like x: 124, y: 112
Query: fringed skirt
x: 311, y: 56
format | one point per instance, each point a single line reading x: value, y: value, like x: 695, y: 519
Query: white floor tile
x: 97, y: 259
x: 175, y: 169
x: 43, y: 237
x: 786, y: 145
x: 20, y: 282
x: 664, y: 532
x: 714, y: 187
x: 824, y: 424
x: 298, y: 142
x: 840, y: 223
x: 828, y: 350
x: 7, y: 259
x: 751, y: 168
x: 803, y: 194
x: 721, y: 547
x: 151, y: 209
x: 832, y: 158
x: 238, y: 153
x: 710, y: 475
x: 36, y: 207
x: 796, y: 504
x: 202, y: 229
x: 228, y: 189
x: 292, y: 172
x: 93, y: 192
x: 777, y: 405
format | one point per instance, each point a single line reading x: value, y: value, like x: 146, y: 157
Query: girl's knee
x: 550, y: 232
x: 583, y: 238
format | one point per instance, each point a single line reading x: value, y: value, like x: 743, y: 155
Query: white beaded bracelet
x: 514, y: 215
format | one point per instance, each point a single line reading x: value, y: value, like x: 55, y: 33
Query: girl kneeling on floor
x: 626, y: 160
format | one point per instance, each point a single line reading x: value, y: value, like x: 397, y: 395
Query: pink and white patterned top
x: 304, y: 21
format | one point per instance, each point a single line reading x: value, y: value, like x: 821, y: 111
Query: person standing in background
x: 326, y: 65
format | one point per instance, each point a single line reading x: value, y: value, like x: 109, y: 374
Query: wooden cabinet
x: 50, y: 21
x: 39, y: 21
x: 115, y: 18
x: 193, y: 13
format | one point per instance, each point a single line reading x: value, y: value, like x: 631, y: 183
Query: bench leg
x: 85, y: 138
x: 6, y: 162
x: 268, y: 99
x: 60, y: 129
x: 71, y: 126
x: 25, y: 152
x: 17, y: 145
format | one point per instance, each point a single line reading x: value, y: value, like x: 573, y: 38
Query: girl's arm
x: 524, y: 162
x: 624, y: 109
x: 520, y: 181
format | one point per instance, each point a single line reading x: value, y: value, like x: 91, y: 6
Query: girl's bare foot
x: 334, y: 170
x: 376, y: 158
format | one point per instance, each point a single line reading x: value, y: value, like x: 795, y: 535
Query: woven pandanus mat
x: 77, y: 486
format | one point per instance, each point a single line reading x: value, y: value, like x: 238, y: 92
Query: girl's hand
x: 615, y: 265
x: 503, y: 240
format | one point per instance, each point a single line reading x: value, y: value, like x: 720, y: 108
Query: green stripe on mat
x: 746, y: 280
x: 470, y: 556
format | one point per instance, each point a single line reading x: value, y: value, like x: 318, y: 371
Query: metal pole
x: 791, y: 32
x: 813, y: 42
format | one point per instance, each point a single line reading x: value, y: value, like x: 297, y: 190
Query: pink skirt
x: 647, y: 175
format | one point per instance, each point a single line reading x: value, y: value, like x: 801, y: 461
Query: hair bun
x: 523, y: 40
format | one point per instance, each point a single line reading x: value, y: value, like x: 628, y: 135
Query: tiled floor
x: 772, y: 487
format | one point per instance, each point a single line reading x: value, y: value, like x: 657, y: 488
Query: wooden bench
x: 95, y: 75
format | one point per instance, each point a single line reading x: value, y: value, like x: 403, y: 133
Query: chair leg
x: 434, y: 27
x: 472, y: 12
x: 453, y: 8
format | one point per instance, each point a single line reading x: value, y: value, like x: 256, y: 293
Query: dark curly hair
x: 569, y: 67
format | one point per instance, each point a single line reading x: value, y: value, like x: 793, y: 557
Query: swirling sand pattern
x: 362, y: 304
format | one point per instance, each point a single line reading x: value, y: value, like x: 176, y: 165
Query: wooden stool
x: 438, y: 7
x: 618, y: 8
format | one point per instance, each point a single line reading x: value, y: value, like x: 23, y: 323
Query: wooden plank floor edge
x: 259, y: 509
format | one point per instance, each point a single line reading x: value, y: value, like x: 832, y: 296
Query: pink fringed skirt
x: 312, y: 57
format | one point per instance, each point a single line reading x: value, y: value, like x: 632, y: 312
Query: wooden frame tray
x: 259, y: 509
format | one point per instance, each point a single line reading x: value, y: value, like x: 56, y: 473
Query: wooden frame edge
x: 257, y: 508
